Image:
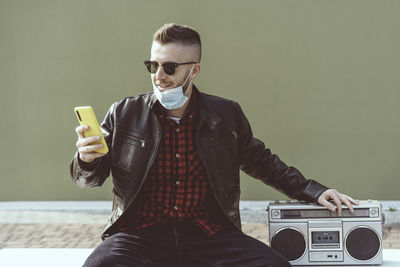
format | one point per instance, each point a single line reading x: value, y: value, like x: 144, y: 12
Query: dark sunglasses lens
x: 169, y: 68
x: 151, y: 66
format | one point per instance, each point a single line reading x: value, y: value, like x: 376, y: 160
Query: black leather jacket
x: 225, y: 144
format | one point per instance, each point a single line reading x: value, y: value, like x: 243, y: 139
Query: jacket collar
x: 151, y: 100
x: 205, y: 109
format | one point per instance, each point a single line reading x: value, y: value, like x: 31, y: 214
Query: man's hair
x: 181, y: 34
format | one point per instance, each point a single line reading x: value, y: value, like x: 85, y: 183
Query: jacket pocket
x: 128, y: 151
x: 226, y: 142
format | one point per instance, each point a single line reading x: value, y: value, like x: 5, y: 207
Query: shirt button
x: 177, y: 130
x: 177, y: 182
x: 177, y: 155
x: 175, y: 207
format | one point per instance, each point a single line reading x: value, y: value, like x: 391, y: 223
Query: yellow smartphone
x: 87, y: 117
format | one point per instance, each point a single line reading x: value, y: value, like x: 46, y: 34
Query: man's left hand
x: 338, y: 198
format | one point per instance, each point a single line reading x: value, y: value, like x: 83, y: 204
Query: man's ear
x: 196, y: 70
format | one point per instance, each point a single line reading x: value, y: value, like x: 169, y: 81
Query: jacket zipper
x: 142, y: 142
x: 235, y: 134
x: 208, y: 176
x: 153, y: 156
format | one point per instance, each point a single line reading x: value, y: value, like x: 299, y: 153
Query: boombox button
x: 374, y: 212
x: 276, y: 214
x: 324, y: 256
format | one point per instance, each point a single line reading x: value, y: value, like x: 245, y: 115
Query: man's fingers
x: 327, y: 204
x: 89, y: 140
x: 80, y: 130
x: 89, y: 157
x: 352, y: 200
x: 85, y: 145
x: 86, y: 141
x: 91, y: 148
x: 346, y: 201
x: 337, y: 201
x: 349, y: 201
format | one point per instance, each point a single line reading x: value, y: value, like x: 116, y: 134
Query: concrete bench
x: 70, y: 257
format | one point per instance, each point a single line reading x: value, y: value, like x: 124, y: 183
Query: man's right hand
x: 85, y: 145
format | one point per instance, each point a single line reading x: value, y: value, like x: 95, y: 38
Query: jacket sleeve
x: 95, y: 173
x: 257, y: 161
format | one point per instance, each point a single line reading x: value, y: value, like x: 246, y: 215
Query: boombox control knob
x: 374, y: 212
x: 276, y: 214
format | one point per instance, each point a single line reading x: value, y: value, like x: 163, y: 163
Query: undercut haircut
x: 180, y: 34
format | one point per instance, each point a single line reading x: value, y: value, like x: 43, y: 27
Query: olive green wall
x: 318, y: 80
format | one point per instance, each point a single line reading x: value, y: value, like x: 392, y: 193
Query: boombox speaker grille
x: 362, y: 243
x: 289, y: 243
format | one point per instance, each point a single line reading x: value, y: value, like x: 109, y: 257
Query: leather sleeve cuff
x: 314, y: 190
x: 87, y: 166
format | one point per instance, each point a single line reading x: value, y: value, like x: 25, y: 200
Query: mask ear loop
x: 190, y: 73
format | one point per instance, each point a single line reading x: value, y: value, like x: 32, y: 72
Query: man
x: 175, y: 156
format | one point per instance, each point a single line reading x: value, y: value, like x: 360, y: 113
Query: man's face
x: 173, y: 52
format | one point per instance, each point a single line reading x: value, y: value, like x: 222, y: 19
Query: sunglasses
x: 169, y: 67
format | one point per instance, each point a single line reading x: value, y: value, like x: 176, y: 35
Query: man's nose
x: 160, y: 74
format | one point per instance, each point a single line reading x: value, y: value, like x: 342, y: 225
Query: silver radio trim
x: 329, y: 246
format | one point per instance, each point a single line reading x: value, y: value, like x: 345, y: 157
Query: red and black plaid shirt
x: 177, y: 187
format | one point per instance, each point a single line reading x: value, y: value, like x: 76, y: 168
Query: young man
x: 175, y: 155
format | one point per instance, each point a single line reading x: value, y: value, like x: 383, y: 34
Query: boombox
x: 309, y: 234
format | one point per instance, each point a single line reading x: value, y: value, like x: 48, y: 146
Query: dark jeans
x: 183, y: 244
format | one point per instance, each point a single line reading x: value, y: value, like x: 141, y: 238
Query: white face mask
x: 172, y: 98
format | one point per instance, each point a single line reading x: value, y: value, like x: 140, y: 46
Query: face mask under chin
x: 173, y: 98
